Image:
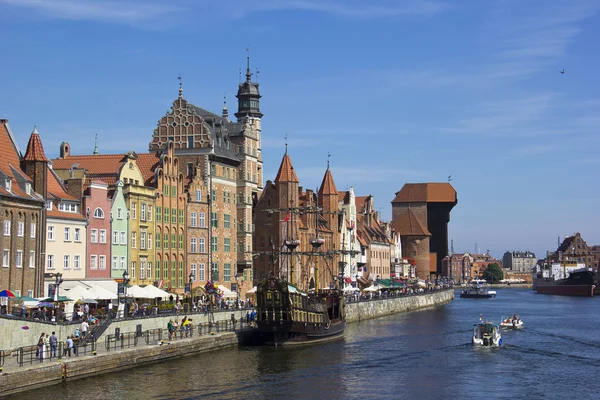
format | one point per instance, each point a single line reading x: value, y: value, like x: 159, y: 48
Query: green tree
x: 493, y: 273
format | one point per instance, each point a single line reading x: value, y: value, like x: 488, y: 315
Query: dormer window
x: 28, y: 188
x: 49, y: 205
x: 8, y: 184
x: 68, y: 207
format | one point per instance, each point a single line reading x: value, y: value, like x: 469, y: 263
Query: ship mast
x: 316, y: 244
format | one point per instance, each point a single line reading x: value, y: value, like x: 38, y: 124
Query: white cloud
x: 124, y: 11
x: 355, y: 9
x: 134, y: 12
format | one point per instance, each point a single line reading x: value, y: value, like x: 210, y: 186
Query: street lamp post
x: 125, y: 282
x: 57, y: 283
x: 190, y: 293
x: 237, y: 291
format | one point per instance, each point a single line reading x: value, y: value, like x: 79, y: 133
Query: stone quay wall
x: 388, y: 306
x: 13, y: 335
x: 66, y: 370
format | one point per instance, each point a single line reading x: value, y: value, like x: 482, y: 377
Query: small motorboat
x: 487, y: 334
x: 513, y: 322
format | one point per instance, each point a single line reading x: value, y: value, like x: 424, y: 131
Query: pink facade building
x: 97, y: 205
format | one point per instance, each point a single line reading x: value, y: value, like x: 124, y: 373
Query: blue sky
x: 396, y: 90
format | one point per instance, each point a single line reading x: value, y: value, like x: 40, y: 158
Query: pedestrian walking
x: 53, y: 342
x: 69, y: 346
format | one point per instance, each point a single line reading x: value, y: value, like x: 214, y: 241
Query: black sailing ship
x: 288, y: 316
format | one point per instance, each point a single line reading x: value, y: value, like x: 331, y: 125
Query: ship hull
x: 564, y: 289
x: 477, y: 295
x: 297, y: 333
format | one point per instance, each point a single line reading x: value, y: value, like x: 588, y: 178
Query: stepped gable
x: 10, y: 166
x: 286, y: 171
x: 426, y: 193
x: 361, y: 202
x: 409, y: 225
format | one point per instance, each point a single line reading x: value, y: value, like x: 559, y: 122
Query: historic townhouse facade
x: 285, y: 214
x: 224, y: 157
x: 170, y: 225
x: 97, y: 208
x: 349, y: 239
x: 198, y: 230
x: 119, y: 232
x: 140, y: 198
x: 375, y: 243
x: 66, y: 233
x: 21, y: 214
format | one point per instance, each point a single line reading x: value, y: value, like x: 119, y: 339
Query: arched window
x: 98, y: 213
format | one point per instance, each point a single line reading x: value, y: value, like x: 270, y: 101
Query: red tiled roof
x: 342, y: 196
x: 10, y: 164
x: 35, y: 150
x: 328, y: 185
x: 56, y: 188
x: 361, y: 202
x: 426, y: 192
x: 106, y: 167
x: 409, y: 225
x: 55, y: 213
x: 286, y: 171
x: 148, y: 162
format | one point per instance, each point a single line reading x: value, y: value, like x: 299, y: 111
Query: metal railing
x: 85, y: 346
x: 153, y: 335
x: 122, y: 341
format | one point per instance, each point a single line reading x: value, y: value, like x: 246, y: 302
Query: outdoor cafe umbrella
x: 7, y: 293
x: 60, y: 298
x: 25, y: 298
x: 45, y: 304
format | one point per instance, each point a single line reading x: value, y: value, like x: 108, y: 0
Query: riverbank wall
x: 15, y: 333
x: 54, y: 372
x: 378, y: 308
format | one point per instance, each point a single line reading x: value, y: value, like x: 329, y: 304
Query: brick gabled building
x: 226, y: 156
x: 577, y: 249
x: 423, y: 211
x: 22, y: 214
x: 285, y: 213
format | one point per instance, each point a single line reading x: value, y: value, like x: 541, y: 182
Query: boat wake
x: 568, y: 338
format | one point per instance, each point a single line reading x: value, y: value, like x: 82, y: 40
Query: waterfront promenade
x: 132, y: 348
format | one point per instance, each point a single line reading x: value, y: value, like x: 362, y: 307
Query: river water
x: 418, y: 355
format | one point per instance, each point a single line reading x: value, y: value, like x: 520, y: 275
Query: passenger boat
x: 287, y: 316
x: 477, y: 290
x: 513, y: 322
x: 487, y: 334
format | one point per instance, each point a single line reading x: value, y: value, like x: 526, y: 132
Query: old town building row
x: 194, y: 208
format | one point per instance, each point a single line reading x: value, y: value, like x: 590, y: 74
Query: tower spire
x: 248, y: 72
x: 180, y: 86
x: 286, y: 143
x: 328, y: 157
x: 96, y: 144
x: 225, y: 112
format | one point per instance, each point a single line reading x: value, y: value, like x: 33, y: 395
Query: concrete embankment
x: 378, y: 308
x: 53, y: 372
